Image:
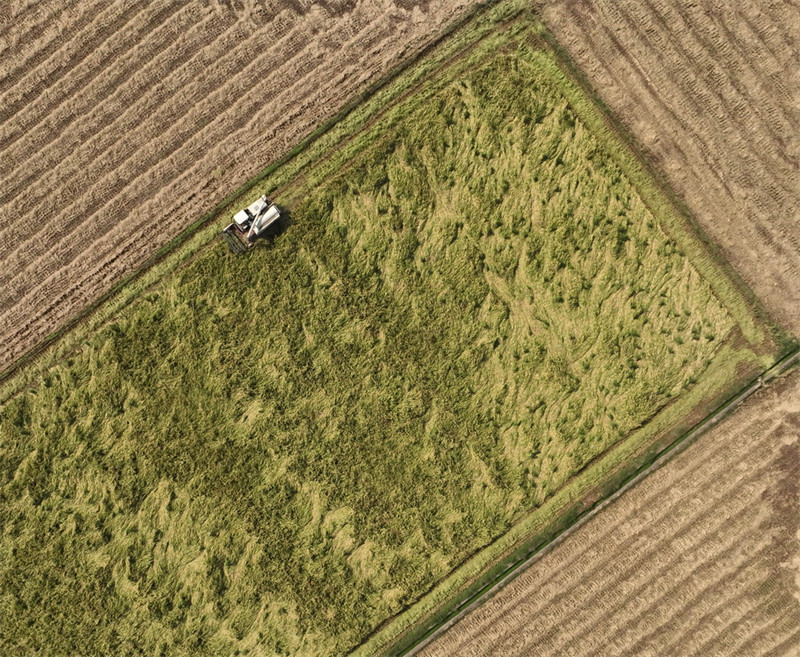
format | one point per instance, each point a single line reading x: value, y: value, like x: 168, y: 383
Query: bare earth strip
x: 700, y: 558
x: 124, y: 122
x: 711, y: 90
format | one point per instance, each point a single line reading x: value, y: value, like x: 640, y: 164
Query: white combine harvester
x: 249, y: 224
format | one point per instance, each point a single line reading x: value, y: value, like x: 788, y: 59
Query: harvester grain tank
x: 250, y: 224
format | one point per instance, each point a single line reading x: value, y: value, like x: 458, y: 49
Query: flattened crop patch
x: 476, y: 310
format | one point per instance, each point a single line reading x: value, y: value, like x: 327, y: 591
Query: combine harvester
x: 250, y: 224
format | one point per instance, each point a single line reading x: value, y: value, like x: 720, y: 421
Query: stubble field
x: 157, y: 563
x: 283, y: 452
x: 711, y: 92
x: 123, y: 122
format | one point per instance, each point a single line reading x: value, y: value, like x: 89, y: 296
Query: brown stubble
x: 702, y: 558
x: 711, y: 91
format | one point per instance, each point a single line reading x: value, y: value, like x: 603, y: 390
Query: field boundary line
x: 677, y: 447
x: 768, y: 343
x: 650, y: 169
x: 29, y: 356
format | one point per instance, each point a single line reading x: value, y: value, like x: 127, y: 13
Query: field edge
x: 768, y: 347
x: 197, y: 237
x: 202, y: 232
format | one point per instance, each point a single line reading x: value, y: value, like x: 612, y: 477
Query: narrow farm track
x: 139, y: 117
x: 711, y: 90
x: 699, y: 558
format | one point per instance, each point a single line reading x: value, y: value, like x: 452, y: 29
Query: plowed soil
x: 123, y: 122
x: 701, y: 558
x: 711, y: 90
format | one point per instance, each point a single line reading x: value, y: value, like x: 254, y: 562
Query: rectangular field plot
x: 481, y: 310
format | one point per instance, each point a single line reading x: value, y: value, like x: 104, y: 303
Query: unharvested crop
x: 710, y: 91
x: 702, y: 557
x: 697, y: 559
x: 121, y: 123
x: 281, y: 452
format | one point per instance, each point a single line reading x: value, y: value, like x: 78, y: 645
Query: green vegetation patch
x: 280, y: 452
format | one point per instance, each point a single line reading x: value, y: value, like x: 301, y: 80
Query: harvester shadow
x: 272, y: 232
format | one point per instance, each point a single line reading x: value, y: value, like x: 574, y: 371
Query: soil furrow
x: 788, y: 647
x: 749, y: 620
x: 690, y: 582
x: 20, y: 26
x: 101, y: 65
x: 31, y: 88
x: 687, y: 626
x: 778, y: 635
x: 139, y: 129
x: 615, y: 573
x: 734, y: 93
x: 689, y: 84
x: 646, y: 94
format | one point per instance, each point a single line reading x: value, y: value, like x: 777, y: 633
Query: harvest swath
x: 482, y: 316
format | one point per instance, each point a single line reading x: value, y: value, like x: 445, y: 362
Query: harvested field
x: 180, y: 481
x: 123, y: 122
x: 471, y: 325
x: 701, y: 558
x: 711, y: 90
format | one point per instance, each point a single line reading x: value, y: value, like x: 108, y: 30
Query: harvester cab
x: 250, y: 224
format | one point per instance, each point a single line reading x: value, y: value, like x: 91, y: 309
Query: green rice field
x: 481, y: 308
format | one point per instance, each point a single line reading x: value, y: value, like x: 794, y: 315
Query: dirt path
x: 123, y: 122
x: 701, y: 558
x: 711, y: 89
